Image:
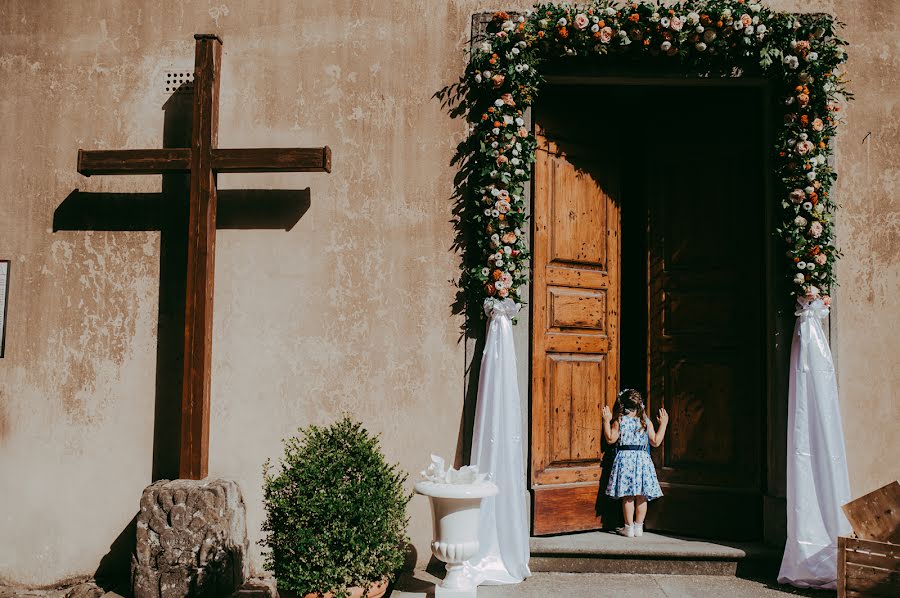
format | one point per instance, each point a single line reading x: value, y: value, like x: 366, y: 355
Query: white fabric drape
x: 497, y: 451
x: 817, y: 480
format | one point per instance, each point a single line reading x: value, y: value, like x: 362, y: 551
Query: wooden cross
x: 203, y: 160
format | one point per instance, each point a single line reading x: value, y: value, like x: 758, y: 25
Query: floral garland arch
x: 703, y: 37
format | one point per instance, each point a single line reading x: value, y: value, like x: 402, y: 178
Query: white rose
x: 518, y: 172
x: 508, y: 26
x: 726, y: 12
x: 498, y: 263
x: 699, y: 29
x: 791, y: 61
x: 709, y: 36
x: 665, y: 46
x: 799, y: 278
x: 755, y: 7
x: 543, y: 23
x: 486, y: 74
x: 800, y: 221
x: 748, y: 31
x: 693, y: 18
x: 610, y: 11
x: 507, y: 120
x: 809, y: 190
x: 812, y: 56
x: 507, y: 249
x: 495, y: 238
x: 738, y: 25
x: 478, y: 78
x: 811, y: 175
x: 515, y: 51
x: 515, y: 161
x: 700, y: 47
x: 761, y: 28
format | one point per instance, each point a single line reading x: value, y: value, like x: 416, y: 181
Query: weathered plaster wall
x: 347, y: 311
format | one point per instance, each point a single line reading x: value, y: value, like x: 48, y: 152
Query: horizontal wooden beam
x: 286, y: 159
x: 145, y: 161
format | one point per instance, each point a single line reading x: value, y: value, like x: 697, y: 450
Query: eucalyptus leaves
x: 713, y: 37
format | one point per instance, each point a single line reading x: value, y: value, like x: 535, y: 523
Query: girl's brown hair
x: 631, y: 400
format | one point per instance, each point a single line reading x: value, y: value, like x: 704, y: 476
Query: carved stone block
x: 191, y: 540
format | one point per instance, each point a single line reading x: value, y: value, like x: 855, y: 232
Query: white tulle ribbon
x: 817, y: 480
x: 497, y: 451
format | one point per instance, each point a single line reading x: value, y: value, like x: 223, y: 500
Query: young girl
x: 632, y: 477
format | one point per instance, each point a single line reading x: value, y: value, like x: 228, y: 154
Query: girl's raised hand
x: 606, y: 413
x: 663, y: 416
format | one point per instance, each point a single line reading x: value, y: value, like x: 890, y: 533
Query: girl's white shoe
x: 627, y: 531
x: 638, y: 530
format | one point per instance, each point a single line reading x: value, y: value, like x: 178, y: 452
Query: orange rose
x: 498, y: 80
x: 496, y: 274
x: 634, y: 17
x: 562, y: 32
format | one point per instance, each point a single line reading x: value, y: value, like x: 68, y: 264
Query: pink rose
x: 503, y: 292
x: 817, y: 124
x: 606, y: 34
x: 523, y: 132
x: 826, y: 299
x: 804, y: 147
x: 503, y: 206
x: 498, y: 80
x: 815, y: 229
x: 803, y: 99
x: 676, y: 24
x: 501, y: 159
x: 508, y: 99
x: 797, y: 196
x: 746, y: 20
x: 821, y: 259
x: 581, y: 21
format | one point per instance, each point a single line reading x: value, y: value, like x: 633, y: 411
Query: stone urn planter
x: 455, y: 506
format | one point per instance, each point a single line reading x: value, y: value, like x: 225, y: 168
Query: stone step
x: 607, y: 552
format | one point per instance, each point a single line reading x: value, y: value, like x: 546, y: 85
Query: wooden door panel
x: 574, y: 330
x: 705, y: 342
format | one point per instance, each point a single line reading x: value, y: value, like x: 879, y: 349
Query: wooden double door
x: 648, y: 273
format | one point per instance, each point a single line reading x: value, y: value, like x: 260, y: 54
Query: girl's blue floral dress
x: 632, y: 472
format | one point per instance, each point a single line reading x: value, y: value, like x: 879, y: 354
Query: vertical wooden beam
x: 201, y: 262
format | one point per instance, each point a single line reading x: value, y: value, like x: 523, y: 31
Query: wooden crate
x: 867, y: 568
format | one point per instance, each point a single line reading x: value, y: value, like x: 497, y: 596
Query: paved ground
x: 569, y: 585
x: 615, y: 585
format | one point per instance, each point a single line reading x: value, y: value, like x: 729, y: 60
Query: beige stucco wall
x: 347, y: 311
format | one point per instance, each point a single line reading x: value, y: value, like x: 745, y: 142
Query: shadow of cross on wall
x: 182, y: 212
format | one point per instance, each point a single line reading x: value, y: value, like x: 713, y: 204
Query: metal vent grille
x: 178, y: 81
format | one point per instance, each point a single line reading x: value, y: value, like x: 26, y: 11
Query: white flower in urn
x: 435, y: 472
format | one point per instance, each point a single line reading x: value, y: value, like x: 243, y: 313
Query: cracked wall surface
x: 350, y: 309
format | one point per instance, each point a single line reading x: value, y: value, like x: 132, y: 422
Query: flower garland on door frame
x: 704, y: 37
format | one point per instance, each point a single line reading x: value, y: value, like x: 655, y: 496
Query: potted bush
x: 335, y: 514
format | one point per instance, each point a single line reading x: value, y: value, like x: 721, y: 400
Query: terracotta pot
x: 376, y: 591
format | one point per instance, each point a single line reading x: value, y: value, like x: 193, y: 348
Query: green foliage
x: 335, y: 512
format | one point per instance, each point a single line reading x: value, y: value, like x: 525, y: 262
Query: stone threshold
x: 606, y: 552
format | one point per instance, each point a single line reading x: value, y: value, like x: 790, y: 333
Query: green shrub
x: 335, y: 512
